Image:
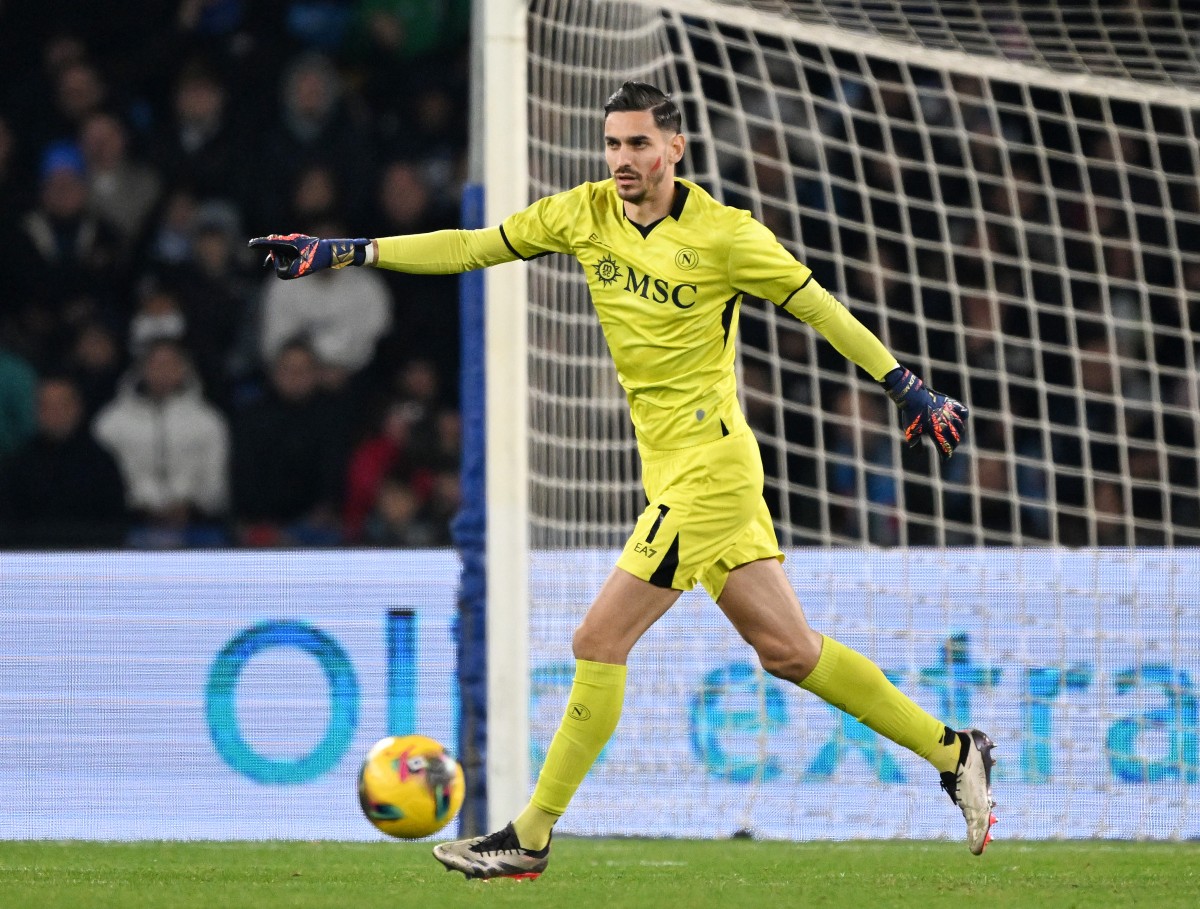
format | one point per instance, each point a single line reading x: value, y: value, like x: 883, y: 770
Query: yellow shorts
x: 705, y: 518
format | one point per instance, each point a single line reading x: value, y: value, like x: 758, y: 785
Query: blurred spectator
x: 289, y: 457
x: 397, y: 518
x: 18, y: 383
x: 437, y: 443
x: 393, y: 46
x: 440, y: 138
x: 409, y: 29
x: 121, y: 191
x: 173, y: 449
x: 31, y: 67
x: 79, y: 92
x: 416, y: 385
x: 413, y: 439
x: 13, y: 184
x: 65, y: 263
x: 316, y: 196
x: 1097, y: 434
x: 401, y: 517
x: 95, y: 362
x: 405, y: 203
x: 445, y: 498
x: 171, y: 237
x: 862, y: 435
x: 126, y: 198
x: 61, y: 489
x: 158, y: 315
x: 425, y: 306
x: 383, y: 454
x: 198, y: 150
x: 219, y: 301
x: 319, y: 24
x: 343, y: 325
x: 317, y: 123
x: 210, y: 16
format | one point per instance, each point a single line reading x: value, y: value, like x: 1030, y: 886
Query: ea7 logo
x: 646, y: 549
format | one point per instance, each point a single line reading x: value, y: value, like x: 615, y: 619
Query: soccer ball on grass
x: 409, y: 787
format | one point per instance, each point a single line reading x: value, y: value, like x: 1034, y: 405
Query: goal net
x: 1006, y: 193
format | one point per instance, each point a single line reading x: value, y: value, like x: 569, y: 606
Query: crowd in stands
x: 160, y: 388
x: 1078, y: 226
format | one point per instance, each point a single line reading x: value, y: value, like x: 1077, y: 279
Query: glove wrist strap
x: 898, y: 383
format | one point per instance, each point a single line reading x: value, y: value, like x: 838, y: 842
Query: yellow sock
x: 533, y: 826
x: 851, y: 682
x: 593, y: 709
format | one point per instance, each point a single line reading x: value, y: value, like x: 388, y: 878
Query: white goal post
x: 1007, y: 194
x: 500, y: 60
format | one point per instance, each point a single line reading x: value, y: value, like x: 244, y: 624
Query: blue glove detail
x: 925, y: 411
x: 297, y: 255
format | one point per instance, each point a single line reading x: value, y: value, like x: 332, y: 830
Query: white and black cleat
x: 496, y: 855
x: 970, y: 787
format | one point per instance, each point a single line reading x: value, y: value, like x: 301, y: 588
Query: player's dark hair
x: 643, y: 96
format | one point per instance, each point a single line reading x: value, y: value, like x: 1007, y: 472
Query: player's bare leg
x: 623, y: 611
x: 760, y: 602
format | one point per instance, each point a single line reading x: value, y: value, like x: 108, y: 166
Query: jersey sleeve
x: 443, y: 252
x: 760, y: 265
x: 544, y: 227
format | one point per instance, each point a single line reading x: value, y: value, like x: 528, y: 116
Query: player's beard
x: 638, y: 192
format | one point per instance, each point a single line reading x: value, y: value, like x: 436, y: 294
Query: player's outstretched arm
x: 297, y: 255
x: 440, y: 252
x: 924, y: 411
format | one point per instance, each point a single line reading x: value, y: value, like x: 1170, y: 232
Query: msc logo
x: 607, y: 270
x: 649, y: 287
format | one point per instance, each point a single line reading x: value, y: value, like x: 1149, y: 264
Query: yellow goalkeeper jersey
x: 667, y: 296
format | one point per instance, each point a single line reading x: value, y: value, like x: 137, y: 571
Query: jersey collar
x: 681, y: 195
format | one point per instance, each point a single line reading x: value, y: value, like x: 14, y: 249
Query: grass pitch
x: 601, y: 874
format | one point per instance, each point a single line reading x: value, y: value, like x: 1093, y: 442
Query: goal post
x: 1007, y: 195
x: 499, y: 176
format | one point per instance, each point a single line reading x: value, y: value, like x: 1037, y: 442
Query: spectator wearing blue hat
x: 65, y: 262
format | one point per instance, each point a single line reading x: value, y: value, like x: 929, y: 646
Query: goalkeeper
x: 667, y: 266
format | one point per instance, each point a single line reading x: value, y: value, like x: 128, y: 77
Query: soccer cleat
x: 970, y: 787
x: 498, y: 854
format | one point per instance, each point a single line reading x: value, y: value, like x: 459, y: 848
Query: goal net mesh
x: 1014, y: 222
x: 1007, y: 194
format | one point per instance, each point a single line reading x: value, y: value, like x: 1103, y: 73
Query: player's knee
x: 595, y: 647
x: 791, y: 660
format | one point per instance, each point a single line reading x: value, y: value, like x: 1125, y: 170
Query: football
x: 409, y: 787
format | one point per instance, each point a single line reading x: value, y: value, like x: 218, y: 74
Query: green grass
x: 605, y: 874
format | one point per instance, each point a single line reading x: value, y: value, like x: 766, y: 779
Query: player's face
x: 641, y: 157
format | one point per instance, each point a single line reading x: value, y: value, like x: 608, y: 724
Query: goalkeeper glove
x: 297, y: 255
x: 923, y: 410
